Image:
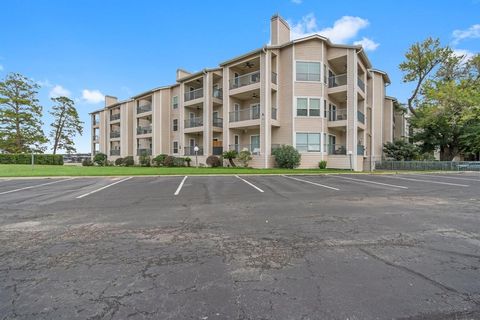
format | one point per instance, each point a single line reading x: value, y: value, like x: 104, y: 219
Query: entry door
x: 255, y: 144
x: 236, y: 109
x: 237, y: 143
x: 333, y: 113
x: 332, y: 141
x: 255, y: 111
x: 191, y: 117
x: 192, y: 146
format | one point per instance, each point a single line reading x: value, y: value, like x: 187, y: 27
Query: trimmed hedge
x: 25, y: 158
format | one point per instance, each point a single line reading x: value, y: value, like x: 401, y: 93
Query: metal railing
x: 146, y: 152
x: 144, y: 130
x: 336, y: 81
x: 244, y: 114
x: 360, y: 150
x: 253, y: 148
x: 114, y: 134
x: 218, y: 122
x: 193, y: 122
x: 274, y: 78
x: 194, y: 94
x: 428, y: 165
x: 95, y: 138
x: 218, y: 93
x: 115, y: 152
x: 361, y: 117
x: 115, y: 116
x: 144, y: 108
x: 274, y: 113
x: 361, y: 84
x: 335, y: 149
x: 337, y: 115
x: 190, y: 151
x: 245, y: 80
x: 96, y: 122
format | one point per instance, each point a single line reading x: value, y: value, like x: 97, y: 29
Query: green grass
x: 19, y: 170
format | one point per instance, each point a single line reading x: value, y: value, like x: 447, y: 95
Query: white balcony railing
x: 194, y: 94
x: 337, y: 81
x: 245, y: 80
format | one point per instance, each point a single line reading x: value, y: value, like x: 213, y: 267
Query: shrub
x: 244, y: 157
x: 322, y: 164
x: 87, y: 162
x: 26, y: 158
x: 119, y: 161
x: 213, y: 161
x: 401, y: 150
x: 230, y: 155
x: 100, y: 159
x: 287, y: 157
x: 179, y: 162
x: 158, y: 160
x: 169, y: 161
x: 188, y: 160
x: 144, y: 160
x: 109, y: 163
x: 128, y: 161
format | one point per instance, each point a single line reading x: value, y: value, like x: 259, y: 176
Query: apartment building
x: 325, y: 99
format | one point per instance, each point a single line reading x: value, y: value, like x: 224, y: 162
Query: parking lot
x: 340, y: 246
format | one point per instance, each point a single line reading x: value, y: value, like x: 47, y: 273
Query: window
x: 175, y: 124
x: 255, y: 144
x: 308, y: 71
x: 308, y: 142
x: 325, y: 111
x: 308, y: 107
x: 175, y: 102
x: 314, y: 109
x: 325, y: 78
x: 175, y: 146
x: 302, y: 107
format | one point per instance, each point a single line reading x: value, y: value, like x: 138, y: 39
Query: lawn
x: 20, y: 170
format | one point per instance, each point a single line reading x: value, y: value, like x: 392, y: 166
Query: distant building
x: 76, y: 157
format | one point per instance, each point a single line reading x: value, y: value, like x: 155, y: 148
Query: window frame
x: 308, y: 98
x: 173, y: 147
x: 174, y: 104
x: 308, y: 73
x: 307, y: 145
x: 174, y: 125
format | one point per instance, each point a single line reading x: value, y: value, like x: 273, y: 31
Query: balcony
x: 190, y: 151
x: 336, y: 149
x: 218, y: 93
x: 144, y: 129
x: 274, y: 113
x: 218, y: 122
x: 253, y: 148
x: 194, y: 94
x: 337, y: 115
x: 337, y: 81
x: 360, y: 150
x: 361, y: 84
x: 274, y: 78
x: 144, y: 108
x: 360, y: 117
x: 95, y: 138
x: 245, y: 80
x: 245, y: 114
x: 96, y: 122
x: 193, y: 122
x: 114, y: 134
x: 114, y: 116
x: 115, y: 152
x: 144, y: 152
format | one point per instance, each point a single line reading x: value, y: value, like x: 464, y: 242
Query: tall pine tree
x: 66, y: 124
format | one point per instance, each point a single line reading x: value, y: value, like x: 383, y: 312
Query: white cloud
x: 92, y: 96
x: 470, y: 33
x: 343, y: 30
x: 297, y: 1
x: 466, y: 54
x: 45, y: 83
x: 59, y: 91
x: 367, y: 44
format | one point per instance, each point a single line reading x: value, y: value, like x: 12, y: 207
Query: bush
x: 100, y: 159
x: 87, y: 162
x: 128, y: 161
x: 26, y: 158
x: 401, y: 150
x: 322, y: 164
x: 287, y: 157
x: 244, y: 157
x: 188, y: 160
x: 144, y: 160
x: 158, y: 160
x: 169, y: 161
x: 230, y: 155
x: 109, y: 163
x: 179, y: 162
x: 119, y: 161
x: 213, y: 161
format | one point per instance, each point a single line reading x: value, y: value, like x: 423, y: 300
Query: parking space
x: 230, y: 247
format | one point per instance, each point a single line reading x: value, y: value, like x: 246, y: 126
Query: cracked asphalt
x: 386, y: 247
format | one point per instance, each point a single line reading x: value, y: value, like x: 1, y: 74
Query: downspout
x: 264, y: 50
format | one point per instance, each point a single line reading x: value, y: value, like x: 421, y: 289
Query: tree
x: 66, y: 124
x: 401, y: 150
x: 421, y: 59
x: 20, y: 115
x: 230, y: 155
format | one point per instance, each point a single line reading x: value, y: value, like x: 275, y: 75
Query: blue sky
x: 90, y: 48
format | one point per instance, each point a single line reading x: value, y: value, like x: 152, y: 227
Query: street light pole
x: 350, y: 153
x: 196, y: 155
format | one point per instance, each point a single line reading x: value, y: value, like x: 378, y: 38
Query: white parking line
x: 310, y: 182
x: 35, y: 186
x: 368, y: 181
x: 249, y: 183
x: 439, y: 176
x: 180, y: 186
x: 429, y: 181
x: 102, y: 188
